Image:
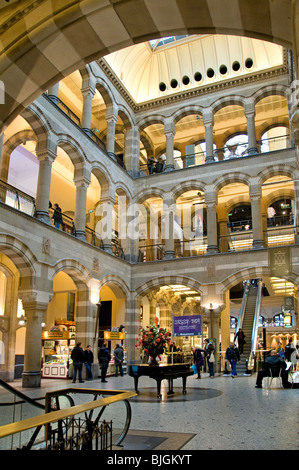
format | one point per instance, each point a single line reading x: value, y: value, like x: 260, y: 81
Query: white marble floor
x: 222, y: 413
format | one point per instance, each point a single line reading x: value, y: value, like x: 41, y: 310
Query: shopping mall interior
x: 149, y: 176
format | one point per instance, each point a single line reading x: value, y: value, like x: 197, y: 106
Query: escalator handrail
x: 21, y: 395
x: 256, y: 320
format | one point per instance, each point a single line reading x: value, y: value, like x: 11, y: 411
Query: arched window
x: 276, y: 138
x: 236, y: 146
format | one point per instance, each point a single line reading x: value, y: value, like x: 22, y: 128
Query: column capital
x: 169, y: 127
x: 208, y: 117
x: 249, y: 107
x: 81, y: 181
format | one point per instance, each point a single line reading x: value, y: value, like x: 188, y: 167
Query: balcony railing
x: 228, y: 152
x: 68, y: 419
x: 16, y: 198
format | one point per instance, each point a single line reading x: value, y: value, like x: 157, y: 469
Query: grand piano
x: 161, y: 372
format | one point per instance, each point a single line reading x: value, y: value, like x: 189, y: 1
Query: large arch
x: 64, y: 38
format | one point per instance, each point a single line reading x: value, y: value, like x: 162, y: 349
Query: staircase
x: 247, y: 326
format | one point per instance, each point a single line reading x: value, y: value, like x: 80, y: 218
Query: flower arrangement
x: 153, y: 340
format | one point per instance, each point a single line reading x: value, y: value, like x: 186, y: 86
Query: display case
x: 57, y: 344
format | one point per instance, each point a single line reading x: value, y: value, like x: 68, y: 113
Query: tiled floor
x: 216, y: 414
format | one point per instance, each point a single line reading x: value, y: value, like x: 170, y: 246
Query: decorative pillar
x: 35, y: 314
x: 81, y: 184
x: 132, y: 323
x: 169, y: 133
x: 132, y: 151
x: 88, y: 93
x: 111, y: 118
x: 251, y: 133
x: 169, y: 209
x: 46, y: 158
x: 208, y: 121
x: 257, y: 221
x: 210, y: 200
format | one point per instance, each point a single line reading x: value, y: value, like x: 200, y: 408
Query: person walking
x: 88, y: 361
x: 104, y: 359
x: 289, y: 349
x: 209, y: 350
x: 77, y: 356
x: 233, y: 356
x: 119, y: 358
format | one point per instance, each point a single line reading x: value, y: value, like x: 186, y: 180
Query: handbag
x: 212, y: 358
x: 194, y: 369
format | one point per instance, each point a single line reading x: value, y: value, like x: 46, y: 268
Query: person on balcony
x: 57, y: 216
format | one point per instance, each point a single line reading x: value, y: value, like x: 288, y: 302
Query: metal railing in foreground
x: 93, y: 425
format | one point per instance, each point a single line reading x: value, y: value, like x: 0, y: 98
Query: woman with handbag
x: 197, y: 359
x: 210, y: 356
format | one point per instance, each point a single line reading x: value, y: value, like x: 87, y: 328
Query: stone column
x: 132, y: 323
x: 132, y: 152
x: 169, y: 133
x: 251, y: 133
x: 296, y: 214
x: 111, y: 118
x: 210, y: 200
x: 169, y: 208
x: 46, y: 158
x: 88, y: 93
x: 257, y: 221
x: 208, y: 121
x: 53, y: 93
x: 81, y: 184
x: 35, y: 314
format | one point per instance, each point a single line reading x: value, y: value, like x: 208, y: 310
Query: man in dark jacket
x: 118, y: 359
x: 88, y: 360
x: 104, y: 359
x: 232, y: 355
x: 277, y: 363
x: 77, y: 356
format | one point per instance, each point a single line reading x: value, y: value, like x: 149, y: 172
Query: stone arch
x: 85, y: 33
x: 235, y: 177
x: 158, y: 282
x: 225, y: 101
x: 73, y: 150
x: 277, y: 170
x: 78, y: 273
x: 186, y: 186
x: 22, y: 257
x: 10, y: 145
x: 186, y: 111
x: 269, y: 90
x: 143, y: 195
x: 118, y: 284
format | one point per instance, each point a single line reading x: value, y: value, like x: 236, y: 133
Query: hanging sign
x: 187, y: 325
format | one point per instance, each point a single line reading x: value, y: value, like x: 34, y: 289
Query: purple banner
x: 187, y: 325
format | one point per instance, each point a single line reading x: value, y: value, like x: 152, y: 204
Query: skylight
x: 155, y: 43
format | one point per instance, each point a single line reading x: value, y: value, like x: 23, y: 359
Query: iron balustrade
x: 68, y: 422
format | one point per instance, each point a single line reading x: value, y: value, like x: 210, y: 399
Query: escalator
x: 248, y: 322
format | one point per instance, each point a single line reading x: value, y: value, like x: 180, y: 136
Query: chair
x: 274, y: 373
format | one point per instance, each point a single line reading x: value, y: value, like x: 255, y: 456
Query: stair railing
x: 255, y: 323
